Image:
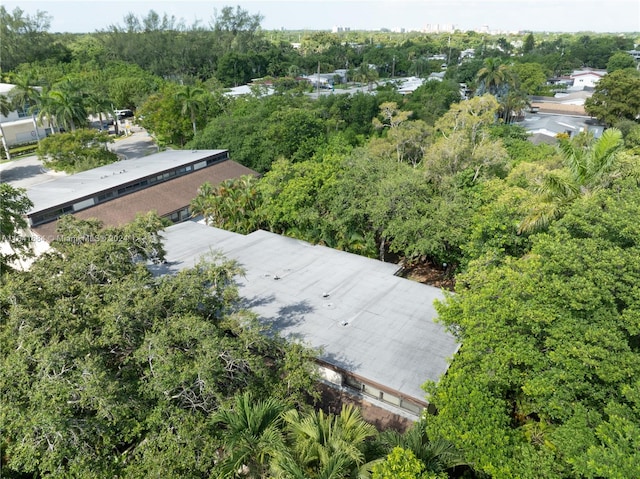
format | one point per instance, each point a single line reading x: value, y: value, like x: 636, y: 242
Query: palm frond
x: 574, y: 159
x: 539, y: 218
x: 556, y: 187
x: 603, y: 156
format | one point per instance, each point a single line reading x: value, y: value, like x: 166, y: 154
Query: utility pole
x: 318, y: 80
x: 393, y: 67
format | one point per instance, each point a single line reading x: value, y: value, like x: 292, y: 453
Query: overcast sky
x: 506, y: 15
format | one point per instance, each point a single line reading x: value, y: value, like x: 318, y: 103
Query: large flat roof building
x: 375, y: 331
x: 165, y: 182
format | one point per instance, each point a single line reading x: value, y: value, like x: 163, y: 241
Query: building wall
x: 370, y: 389
x: 22, y: 131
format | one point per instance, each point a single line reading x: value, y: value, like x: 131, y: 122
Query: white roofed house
x: 586, y: 78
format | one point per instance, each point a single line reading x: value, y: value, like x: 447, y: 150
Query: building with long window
x: 115, y: 194
x: 375, y: 332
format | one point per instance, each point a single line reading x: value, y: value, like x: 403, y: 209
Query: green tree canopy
x: 549, y: 358
x: 616, y: 97
x: 110, y: 371
x: 620, y: 61
x: 13, y: 226
x: 76, y: 151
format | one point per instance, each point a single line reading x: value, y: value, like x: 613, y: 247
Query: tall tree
x: 192, y: 101
x: 25, y: 39
x: 110, y: 371
x: 238, y: 39
x: 616, y: 97
x: 492, y: 75
x: 365, y: 74
x: 98, y: 104
x: 25, y: 96
x: 550, y: 358
x: 48, y: 110
x: 70, y: 99
x: 620, y: 61
x: 528, y: 44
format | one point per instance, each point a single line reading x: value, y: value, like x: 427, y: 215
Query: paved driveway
x: 26, y: 172
x: 29, y: 171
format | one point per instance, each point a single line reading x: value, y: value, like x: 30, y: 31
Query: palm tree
x: 318, y: 439
x: 192, y: 100
x: 70, y: 109
x: 231, y: 204
x: 492, y: 75
x: 288, y: 468
x: 251, y: 436
x: 365, y: 74
x: 438, y: 455
x: 24, y: 95
x: 47, y: 110
x: 513, y: 104
x: 589, y: 166
x: 97, y: 104
x: 71, y: 103
x: 5, y: 106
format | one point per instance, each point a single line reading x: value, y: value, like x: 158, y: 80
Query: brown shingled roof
x: 164, y: 198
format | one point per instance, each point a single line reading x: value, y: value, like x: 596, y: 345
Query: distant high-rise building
x: 439, y: 28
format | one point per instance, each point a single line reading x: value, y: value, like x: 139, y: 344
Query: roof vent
x: 325, y: 294
x: 344, y: 323
x: 276, y: 277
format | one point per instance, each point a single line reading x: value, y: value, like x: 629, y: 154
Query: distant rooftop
x: 91, y: 182
x: 366, y: 320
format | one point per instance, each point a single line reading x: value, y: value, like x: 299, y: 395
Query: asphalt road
x: 28, y: 171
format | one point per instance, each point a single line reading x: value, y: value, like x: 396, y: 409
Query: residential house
x: 585, y: 78
x: 545, y: 128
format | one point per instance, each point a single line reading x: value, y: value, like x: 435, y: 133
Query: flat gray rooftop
x: 88, y: 183
x: 364, y: 319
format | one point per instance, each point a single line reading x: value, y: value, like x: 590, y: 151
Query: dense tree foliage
x: 25, y: 38
x: 616, y: 97
x: 14, y: 236
x: 550, y: 355
x: 111, y: 371
x: 76, y: 151
x: 108, y: 370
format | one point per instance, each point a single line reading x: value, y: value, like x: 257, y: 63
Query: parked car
x: 121, y: 114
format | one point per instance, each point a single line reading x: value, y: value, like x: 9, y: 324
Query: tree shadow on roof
x: 340, y: 361
x: 22, y: 172
x: 257, y: 301
x: 284, y: 318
